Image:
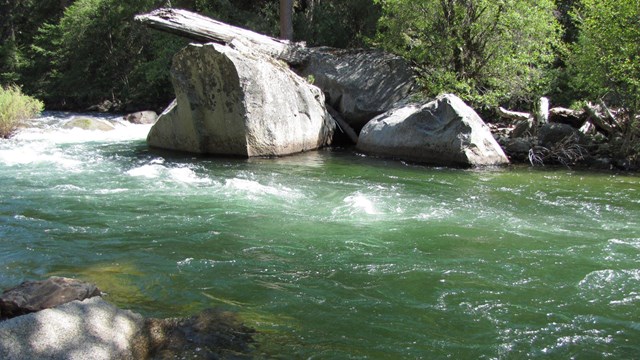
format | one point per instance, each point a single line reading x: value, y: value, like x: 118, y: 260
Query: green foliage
x: 606, y: 58
x: 605, y: 64
x: 336, y: 23
x: 15, y: 107
x: 96, y: 52
x: 487, y: 51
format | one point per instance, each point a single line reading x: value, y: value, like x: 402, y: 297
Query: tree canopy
x: 487, y: 51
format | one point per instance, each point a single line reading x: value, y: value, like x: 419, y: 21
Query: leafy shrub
x: 487, y: 51
x: 15, y: 107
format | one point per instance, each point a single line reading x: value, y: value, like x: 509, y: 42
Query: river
x: 332, y: 254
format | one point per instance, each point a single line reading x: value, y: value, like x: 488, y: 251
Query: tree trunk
x: 203, y: 29
x: 286, y: 20
x: 542, y: 112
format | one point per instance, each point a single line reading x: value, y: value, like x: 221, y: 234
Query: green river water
x: 331, y: 254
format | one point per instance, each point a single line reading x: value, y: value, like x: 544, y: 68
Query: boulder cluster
x: 247, y: 95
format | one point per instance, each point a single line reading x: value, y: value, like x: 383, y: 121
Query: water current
x: 332, y: 254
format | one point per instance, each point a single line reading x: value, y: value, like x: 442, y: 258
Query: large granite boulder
x: 32, y: 296
x: 232, y: 101
x: 359, y: 84
x: 442, y: 132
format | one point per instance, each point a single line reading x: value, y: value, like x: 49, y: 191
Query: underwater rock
x: 86, y: 123
x: 212, y: 334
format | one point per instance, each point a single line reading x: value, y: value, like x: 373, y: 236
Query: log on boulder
x: 204, y: 29
x: 359, y: 84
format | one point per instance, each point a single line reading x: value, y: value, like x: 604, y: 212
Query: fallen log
x: 342, y: 124
x: 596, y: 119
x: 513, y: 115
x: 203, y: 29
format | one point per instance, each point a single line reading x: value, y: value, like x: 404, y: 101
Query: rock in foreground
x: 32, y: 296
x: 89, y: 329
x: 443, y: 132
x: 237, y: 102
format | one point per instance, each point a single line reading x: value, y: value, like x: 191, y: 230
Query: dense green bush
x: 604, y: 63
x: 15, y: 107
x: 487, y: 51
x: 97, y: 53
x: 336, y: 23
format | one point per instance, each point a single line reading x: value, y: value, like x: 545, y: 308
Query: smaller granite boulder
x: 32, y: 296
x: 442, y: 132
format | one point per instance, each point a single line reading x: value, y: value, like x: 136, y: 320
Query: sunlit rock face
x: 238, y: 102
x: 359, y: 84
x: 442, y: 132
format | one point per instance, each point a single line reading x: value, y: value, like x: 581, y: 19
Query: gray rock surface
x: 442, y: 132
x: 32, y: 296
x: 142, y: 117
x: 89, y: 329
x: 359, y: 84
x: 88, y: 123
x: 555, y: 133
x: 232, y: 101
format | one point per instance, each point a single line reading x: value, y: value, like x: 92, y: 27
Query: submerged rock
x: 233, y: 102
x: 359, y: 84
x: 32, y: 296
x: 86, y: 123
x: 212, y: 334
x: 443, y: 132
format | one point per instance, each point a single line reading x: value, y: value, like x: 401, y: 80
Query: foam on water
x: 254, y: 189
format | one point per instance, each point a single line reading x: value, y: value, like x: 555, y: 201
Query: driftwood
x: 513, y: 115
x: 596, y: 119
x: 342, y: 124
x: 203, y: 29
x: 575, y: 118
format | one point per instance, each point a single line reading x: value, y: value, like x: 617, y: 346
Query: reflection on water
x: 330, y: 254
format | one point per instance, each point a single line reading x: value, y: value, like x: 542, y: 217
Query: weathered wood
x: 203, y: 29
x: 609, y: 115
x: 575, y: 118
x: 542, y: 112
x: 513, y: 115
x: 342, y: 124
x: 596, y: 119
